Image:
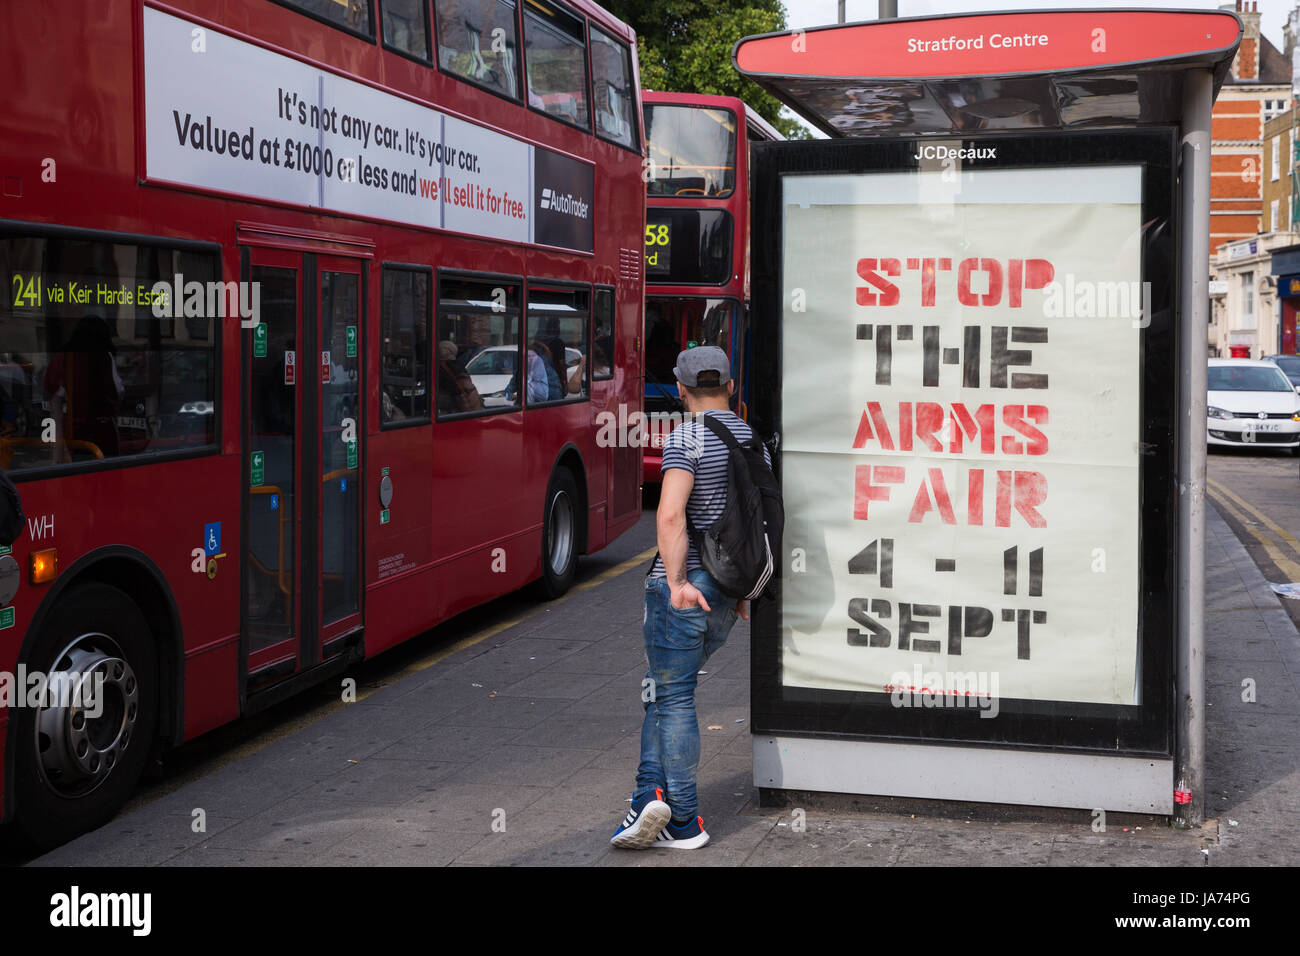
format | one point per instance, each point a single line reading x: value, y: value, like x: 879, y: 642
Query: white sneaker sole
x: 646, y: 828
x: 694, y: 843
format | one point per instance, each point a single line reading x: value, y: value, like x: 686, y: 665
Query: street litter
x: 1291, y: 590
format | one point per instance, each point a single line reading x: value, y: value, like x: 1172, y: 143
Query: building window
x: 1248, y: 300
x: 1273, y: 216
x: 1277, y: 158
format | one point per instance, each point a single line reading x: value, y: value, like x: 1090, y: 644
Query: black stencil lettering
x: 970, y: 373
x: 978, y: 623
x: 866, y: 561
x: 879, y: 635
x: 1003, y: 357
x: 930, y: 351
x: 1022, y: 632
x: 904, y: 333
x: 1009, y: 570
x: 1036, y: 573
x: 945, y: 564
x: 1008, y: 615
x: 907, y: 627
x: 952, y: 356
x: 884, y: 354
x: 864, y: 332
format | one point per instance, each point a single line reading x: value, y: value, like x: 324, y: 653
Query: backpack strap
x: 722, y: 431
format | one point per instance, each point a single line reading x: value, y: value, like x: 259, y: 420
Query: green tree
x: 685, y: 47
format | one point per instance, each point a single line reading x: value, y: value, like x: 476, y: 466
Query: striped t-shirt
x: 692, y: 447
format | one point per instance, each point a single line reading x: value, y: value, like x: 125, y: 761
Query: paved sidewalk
x: 522, y: 750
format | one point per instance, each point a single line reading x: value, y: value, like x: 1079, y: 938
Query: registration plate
x: 1264, y: 427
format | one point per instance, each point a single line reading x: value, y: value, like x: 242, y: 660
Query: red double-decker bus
x: 309, y: 311
x: 696, y: 243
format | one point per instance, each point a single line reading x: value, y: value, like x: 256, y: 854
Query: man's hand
x: 742, y: 609
x: 687, y: 595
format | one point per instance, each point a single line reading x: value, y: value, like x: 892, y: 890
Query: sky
x: 809, y: 13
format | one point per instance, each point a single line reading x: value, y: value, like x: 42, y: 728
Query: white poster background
x: 216, y: 80
x: 1087, y: 223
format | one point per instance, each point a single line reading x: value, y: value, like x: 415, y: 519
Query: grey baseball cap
x: 703, y: 358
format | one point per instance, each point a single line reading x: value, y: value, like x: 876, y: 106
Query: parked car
x: 1251, y: 403
x: 1290, y: 365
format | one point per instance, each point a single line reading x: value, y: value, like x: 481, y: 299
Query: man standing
x: 687, y: 617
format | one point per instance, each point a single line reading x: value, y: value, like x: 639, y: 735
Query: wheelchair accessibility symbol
x: 212, y: 539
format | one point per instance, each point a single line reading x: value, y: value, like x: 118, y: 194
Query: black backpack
x: 740, y: 550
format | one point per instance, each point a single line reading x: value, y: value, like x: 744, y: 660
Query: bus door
x: 302, y: 430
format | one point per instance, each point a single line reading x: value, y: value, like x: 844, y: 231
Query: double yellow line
x: 1282, y: 548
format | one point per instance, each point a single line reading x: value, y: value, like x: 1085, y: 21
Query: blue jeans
x: 677, y: 643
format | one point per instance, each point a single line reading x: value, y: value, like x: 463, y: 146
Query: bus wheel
x: 79, y: 751
x: 560, y: 534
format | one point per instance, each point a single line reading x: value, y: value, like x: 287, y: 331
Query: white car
x: 1251, y: 403
x: 493, y: 369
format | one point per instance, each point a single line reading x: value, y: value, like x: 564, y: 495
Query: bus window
x: 404, y: 390
x: 611, y: 72
x: 467, y: 47
x: 602, y: 349
x: 555, y: 63
x: 478, y: 345
x: 557, y: 352
x: 88, y: 370
x: 353, y: 15
x: 406, y: 27
x: 692, y: 150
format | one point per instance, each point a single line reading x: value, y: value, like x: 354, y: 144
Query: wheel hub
x: 561, y: 521
x: 86, y: 720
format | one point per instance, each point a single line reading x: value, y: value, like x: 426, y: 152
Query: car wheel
x: 560, y: 534
x: 79, y: 752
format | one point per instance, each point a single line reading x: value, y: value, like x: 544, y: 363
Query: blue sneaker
x: 643, y: 822
x: 687, y: 836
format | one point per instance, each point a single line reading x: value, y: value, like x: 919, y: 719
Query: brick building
x: 1258, y: 89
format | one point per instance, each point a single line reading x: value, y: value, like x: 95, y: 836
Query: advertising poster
x: 961, y: 432
x: 230, y: 116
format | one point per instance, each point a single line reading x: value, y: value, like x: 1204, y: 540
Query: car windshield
x: 1248, y: 378
x: 492, y: 362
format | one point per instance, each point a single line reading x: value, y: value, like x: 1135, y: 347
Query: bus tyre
x: 560, y: 534
x: 79, y: 753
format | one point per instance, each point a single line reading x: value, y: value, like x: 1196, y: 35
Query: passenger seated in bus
x: 554, y: 390
x: 538, y: 381
x: 456, y: 389
x: 569, y: 379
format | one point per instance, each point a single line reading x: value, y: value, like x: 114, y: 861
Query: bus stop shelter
x: 982, y: 303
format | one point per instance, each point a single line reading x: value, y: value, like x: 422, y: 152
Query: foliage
x: 685, y: 47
